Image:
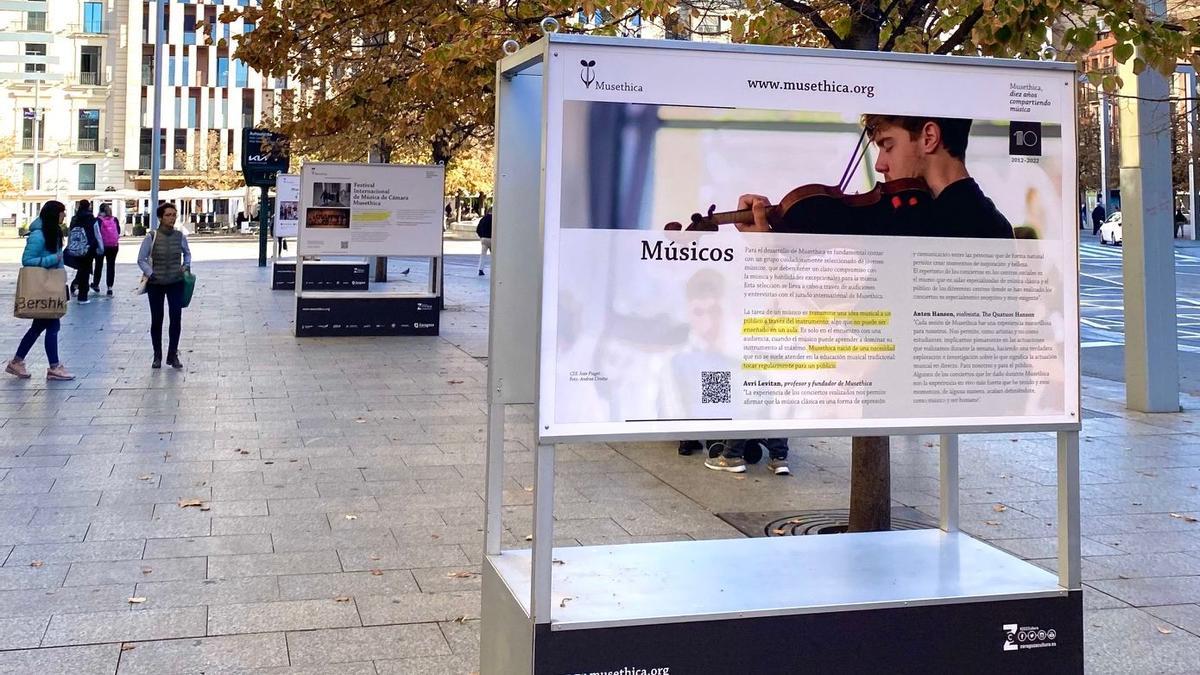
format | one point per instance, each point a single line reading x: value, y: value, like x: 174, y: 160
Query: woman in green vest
x: 164, y: 258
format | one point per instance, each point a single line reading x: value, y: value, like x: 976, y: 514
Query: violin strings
x: 860, y: 153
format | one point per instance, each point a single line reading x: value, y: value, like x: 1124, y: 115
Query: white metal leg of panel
x: 948, y: 484
x: 1068, y: 509
x: 543, y: 533
x: 494, y: 485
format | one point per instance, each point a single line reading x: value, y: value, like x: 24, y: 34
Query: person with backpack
x: 110, y: 242
x: 164, y: 258
x: 484, y: 231
x: 43, y: 248
x: 83, y: 244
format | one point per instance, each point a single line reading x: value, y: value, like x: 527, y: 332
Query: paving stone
x: 1186, y: 617
x: 1153, y: 591
x: 356, y: 644
x: 293, y: 523
x: 231, y: 653
x: 62, y: 660
x: 130, y: 625
x: 209, y: 592
x: 24, y: 577
x: 43, y: 534
x: 206, y: 546
x: 1129, y: 641
x: 61, y: 515
x: 135, y: 571
x: 252, y: 565
x: 361, y: 668
x: 430, y: 665
x: 23, y: 632
x: 342, y: 584
x: 418, y: 607
x: 443, y: 579
x: 282, y: 616
x: 372, y: 538
x: 409, y: 557
x: 80, y: 552
x: 46, y: 601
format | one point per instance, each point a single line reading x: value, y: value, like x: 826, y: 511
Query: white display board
x: 287, y: 205
x: 371, y: 210
x: 950, y: 306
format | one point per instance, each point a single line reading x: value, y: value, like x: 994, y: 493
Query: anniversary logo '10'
x: 587, y: 75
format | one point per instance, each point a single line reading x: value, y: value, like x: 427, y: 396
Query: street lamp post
x: 156, y: 132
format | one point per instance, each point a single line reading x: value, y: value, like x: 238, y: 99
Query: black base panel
x: 959, y: 638
x: 323, y: 317
x: 283, y: 276
x: 337, y: 277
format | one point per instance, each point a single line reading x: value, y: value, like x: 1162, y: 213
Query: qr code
x: 714, y: 386
x: 344, y: 244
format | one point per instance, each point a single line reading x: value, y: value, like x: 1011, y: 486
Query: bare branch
x: 808, y: 12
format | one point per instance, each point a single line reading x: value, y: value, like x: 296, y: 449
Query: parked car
x: 1110, y: 230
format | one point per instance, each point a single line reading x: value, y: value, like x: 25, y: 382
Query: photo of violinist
x: 636, y: 166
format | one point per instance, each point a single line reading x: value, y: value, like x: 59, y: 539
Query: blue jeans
x: 173, y: 294
x: 50, y: 326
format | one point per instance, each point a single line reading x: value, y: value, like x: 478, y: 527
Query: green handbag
x: 189, y: 286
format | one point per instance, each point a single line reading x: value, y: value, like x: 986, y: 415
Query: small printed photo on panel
x: 331, y: 194
x: 327, y: 219
x: 289, y: 210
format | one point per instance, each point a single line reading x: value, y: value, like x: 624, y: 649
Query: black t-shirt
x: 484, y: 229
x: 962, y: 210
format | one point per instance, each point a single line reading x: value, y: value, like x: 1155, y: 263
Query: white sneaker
x: 83, y: 302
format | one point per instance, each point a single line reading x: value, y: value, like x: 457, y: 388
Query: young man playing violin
x: 930, y: 148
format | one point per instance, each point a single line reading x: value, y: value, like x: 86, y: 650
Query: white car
x: 1110, y: 230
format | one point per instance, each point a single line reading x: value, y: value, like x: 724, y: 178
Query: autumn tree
x: 7, y: 185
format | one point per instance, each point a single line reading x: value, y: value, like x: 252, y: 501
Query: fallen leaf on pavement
x: 360, y: 420
x: 145, y: 477
x: 375, y: 557
x: 1183, y: 517
x: 205, y: 507
x: 999, y: 508
x: 342, y: 599
x: 454, y: 381
x: 462, y: 575
x: 136, y: 601
x: 350, y: 516
x: 36, y: 563
x: 377, y: 572
x: 779, y: 531
x: 147, y: 570
x: 1164, y: 630
x: 127, y: 647
x: 184, y: 503
x: 461, y: 619
x: 993, y: 523
x: 529, y: 537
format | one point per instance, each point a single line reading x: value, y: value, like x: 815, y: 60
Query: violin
x: 891, y: 207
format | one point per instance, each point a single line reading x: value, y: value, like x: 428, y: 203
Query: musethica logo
x: 587, y: 75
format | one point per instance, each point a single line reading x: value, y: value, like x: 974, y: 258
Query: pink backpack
x: 110, y: 231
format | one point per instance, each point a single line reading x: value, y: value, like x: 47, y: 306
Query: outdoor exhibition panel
x: 287, y: 224
x: 693, y: 269
x: 351, y: 211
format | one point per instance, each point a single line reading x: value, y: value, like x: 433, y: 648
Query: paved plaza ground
x: 315, y: 506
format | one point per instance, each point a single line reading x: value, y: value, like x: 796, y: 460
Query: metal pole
x: 37, y: 127
x: 1190, y: 230
x: 262, y: 228
x: 1105, y: 133
x: 542, y: 558
x: 948, y: 483
x: 1068, y: 510
x: 160, y: 40
x: 1147, y: 205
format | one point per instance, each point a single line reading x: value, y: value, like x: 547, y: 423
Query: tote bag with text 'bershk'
x: 41, y: 293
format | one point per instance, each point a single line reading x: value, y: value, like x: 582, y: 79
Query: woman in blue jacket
x: 43, y: 248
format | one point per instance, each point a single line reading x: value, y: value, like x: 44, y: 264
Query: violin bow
x: 860, y: 153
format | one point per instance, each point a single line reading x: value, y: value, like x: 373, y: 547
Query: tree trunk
x: 870, y: 456
x: 382, y: 155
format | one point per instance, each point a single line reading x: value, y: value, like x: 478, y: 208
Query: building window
x: 189, y: 26
x: 222, y: 71
x: 181, y: 156
x: 187, y: 70
x: 241, y: 73
x: 171, y: 71
x: 27, y: 124
x: 35, y: 50
x: 193, y: 115
x: 35, y: 21
x: 27, y: 176
x: 89, y: 65
x: 93, y: 17
x: 87, y: 176
x: 89, y: 130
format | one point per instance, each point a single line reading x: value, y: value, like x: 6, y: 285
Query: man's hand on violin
x: 759, y: 205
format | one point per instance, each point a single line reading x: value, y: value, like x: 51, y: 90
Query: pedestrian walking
x: 484, y: 231
x: 1098, y: 215
x: 732, y: 455
x: 164, y: 258
x: 1180, y: 221
x: 110, y: 241
x: 43, y: 248
x: 83, y: 245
